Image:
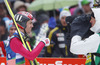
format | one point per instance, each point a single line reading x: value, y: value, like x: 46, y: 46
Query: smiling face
x: 63, y: 22
x: 29, y: 26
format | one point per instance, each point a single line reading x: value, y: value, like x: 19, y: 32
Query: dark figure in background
x: 51, y: 25
x: 78, y: 11
x: 86, y: 6
x: 19, y: 6
x: 41, y: 17
x: 3, y: 31
x: 60, y: 37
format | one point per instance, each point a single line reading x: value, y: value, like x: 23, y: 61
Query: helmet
x: 22, y: 17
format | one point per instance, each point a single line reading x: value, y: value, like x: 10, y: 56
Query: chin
x: 30, y: 32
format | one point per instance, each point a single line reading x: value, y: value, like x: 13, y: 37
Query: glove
x: 46, y: 41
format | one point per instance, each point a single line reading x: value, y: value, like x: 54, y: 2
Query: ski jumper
x: 17, y: 46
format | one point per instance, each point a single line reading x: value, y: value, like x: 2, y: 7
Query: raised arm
x: 89, y: 45
x: 17, y: 47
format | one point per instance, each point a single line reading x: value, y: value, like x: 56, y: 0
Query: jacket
x: 90, y: 44
x: 60, y: 37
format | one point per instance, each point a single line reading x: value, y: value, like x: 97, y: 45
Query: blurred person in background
x: 60, y: 37
x: 2, y: 37
x: 40, y: 17
x: 43, y: 19
x: 19, y: 6
x: 11, y: 6
x: 3, y: 30
x: 2, y: 11
x: 3, y: 15
x: 55, y: 14
x: 10, y: 55
x: 51, y: 25
x: 72, y: 9
x: 86, y: 6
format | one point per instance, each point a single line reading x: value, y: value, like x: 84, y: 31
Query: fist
x: 46, y: 41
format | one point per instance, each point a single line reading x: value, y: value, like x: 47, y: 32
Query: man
x: 90, y: 45
x: 19, y: 6
x: 2, y: 37
x: 10, y: 55
x: 43, y: 19
x: 24, y: 21
x: 60, y: 38
x: 86, y: 6
x: 3, y: 31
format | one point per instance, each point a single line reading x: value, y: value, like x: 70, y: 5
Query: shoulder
x: 15, y: 39
x: 52, y: 32
x: 15, y: 44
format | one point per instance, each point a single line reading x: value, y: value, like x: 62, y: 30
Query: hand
x: 46, y: 41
